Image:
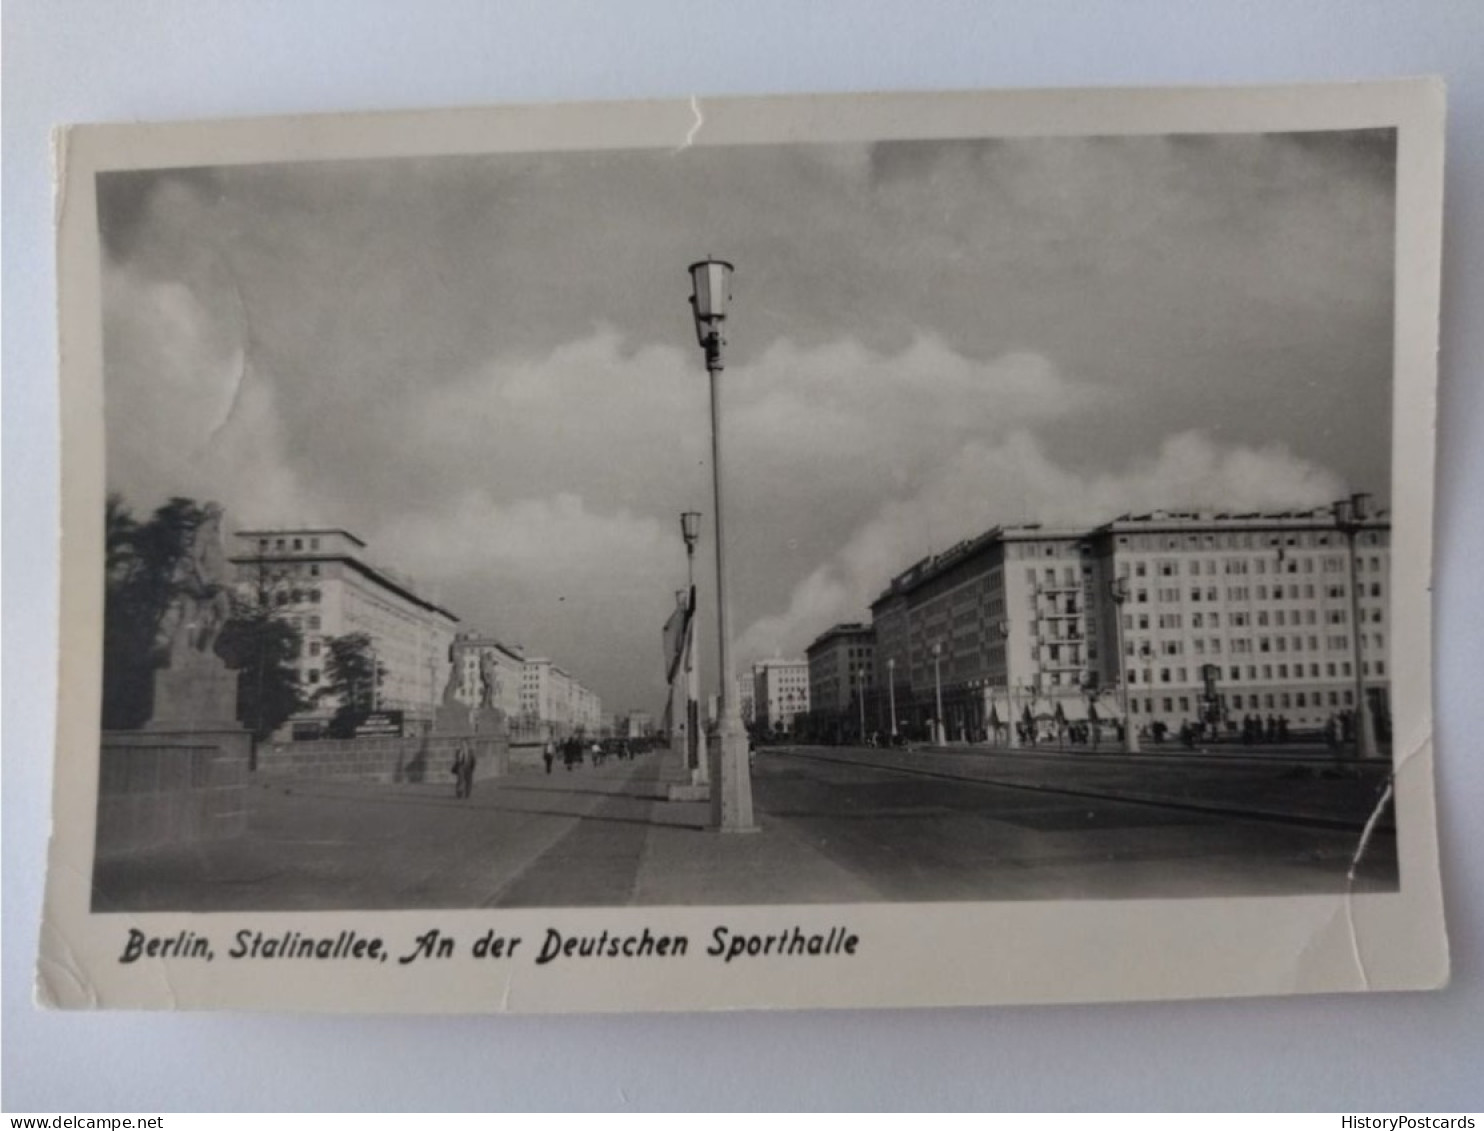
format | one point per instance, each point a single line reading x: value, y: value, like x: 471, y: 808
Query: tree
x: 139, y: 588
x: 257, y: 642
x: 263, y: 646
x: 353, y: 676
x: 263, y: 649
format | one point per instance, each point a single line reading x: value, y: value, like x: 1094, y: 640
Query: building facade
x: 1231, y: 616
x: 554, y: 704
x: 322, y: 582
x: 744, y: 698
x: 1014, y: 635
x: 842, y: 680
x: 780, y: 693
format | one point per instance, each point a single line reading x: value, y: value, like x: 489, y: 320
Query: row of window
x: 1269, y: 700
x: 283, y: 544
x: 1254, y: 672
x: 1278, y: 618
x: 1200, y: 645
x: 1246, y: 540
x: 1211, y: 594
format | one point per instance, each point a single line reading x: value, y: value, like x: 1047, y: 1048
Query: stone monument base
x: 198, y: 695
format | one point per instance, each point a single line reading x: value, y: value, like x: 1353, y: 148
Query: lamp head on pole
x: 1344, y: 512
x: 1360, y: 505
x: 711, y: 294
x: 690, y: 529
x: 1120, y: 590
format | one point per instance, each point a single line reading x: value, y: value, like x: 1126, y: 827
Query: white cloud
x: 187, y: 412
x: 630, y: 426
x: 1016, y: 481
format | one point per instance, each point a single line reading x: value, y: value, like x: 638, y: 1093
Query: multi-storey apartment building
x: 1245, y: 614
x: 994, y: 629
x: 322, y: 582
x: 553, y: 701
x: 841, y: 679
x: 780, y: 693
x: 1226, y: 616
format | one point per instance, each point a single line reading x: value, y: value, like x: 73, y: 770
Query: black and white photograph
x: 822, y: 525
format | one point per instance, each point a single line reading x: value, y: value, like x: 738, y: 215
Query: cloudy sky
x: 486, y: 367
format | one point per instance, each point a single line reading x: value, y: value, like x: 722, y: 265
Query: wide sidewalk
x: 591, y: 836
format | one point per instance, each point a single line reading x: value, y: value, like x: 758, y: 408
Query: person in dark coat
x: 463, y: 769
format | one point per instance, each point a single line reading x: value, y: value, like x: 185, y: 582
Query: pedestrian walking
x: 548, y: 754
x: 464, y: 771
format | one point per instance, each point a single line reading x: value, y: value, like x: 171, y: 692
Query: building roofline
x: 287, y: 531
x: 1317, y: 518
x: 844, y: 629
x: 362, y: 567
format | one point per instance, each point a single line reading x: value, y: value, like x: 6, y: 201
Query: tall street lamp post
x: 731, y: 781
x: 1130, y: 732
x: 1350, y: 516
x: 891, y: 687
x: 860, y: 694
x: 939, y: 735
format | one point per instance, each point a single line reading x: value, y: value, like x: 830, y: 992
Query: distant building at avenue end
x: 780, y: 694
x: 841, y: 681
x: 1225, y: 617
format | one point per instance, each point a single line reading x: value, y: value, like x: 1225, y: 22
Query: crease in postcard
x: 697, y: 122
x: 244, y: 355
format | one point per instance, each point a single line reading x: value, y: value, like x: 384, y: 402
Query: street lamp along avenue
x: 690, y: 530
x: 1350, y: 516
x: 1012, y: 734
x: 1130, y: 732
x: 891, y: 686
x: 731, y: 776
x: 940, y: 734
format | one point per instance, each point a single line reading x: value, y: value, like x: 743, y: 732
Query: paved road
x: 922, y: 837
x: 1296, y: 788
x: 831, y: 833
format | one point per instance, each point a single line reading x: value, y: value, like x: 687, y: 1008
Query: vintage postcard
x: 886, y: 550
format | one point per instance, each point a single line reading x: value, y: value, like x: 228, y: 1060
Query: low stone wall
x: 419, y: 758
x: 160, y: 788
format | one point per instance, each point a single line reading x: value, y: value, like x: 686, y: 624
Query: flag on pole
x: 677, y: 635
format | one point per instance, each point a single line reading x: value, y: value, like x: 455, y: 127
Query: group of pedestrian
x: 573, y: 750
x: 1257, y: 731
